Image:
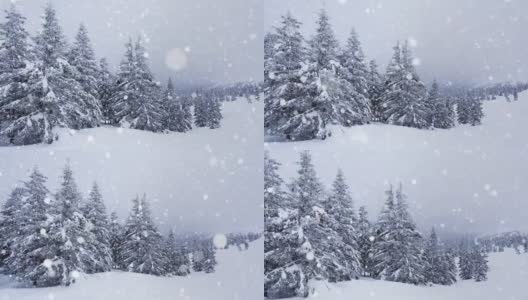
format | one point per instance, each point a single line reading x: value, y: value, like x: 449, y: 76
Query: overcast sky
x: 201, y: 39
x: 472, y: 41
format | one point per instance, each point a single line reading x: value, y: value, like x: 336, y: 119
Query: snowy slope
x: 506, y: 280
x: 200, y: 180
x: 238, y: 277
x: 468, y: 178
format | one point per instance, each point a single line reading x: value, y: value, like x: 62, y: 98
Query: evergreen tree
x: 326, y: 254
x: 397, y: 249
x: 116, y: 239
x: 72, y: 246
x: 141, y: 250
x: 465, y: 264
x: 178, y: 116
x: 215, y: 113
x: 364, y: 241
x: 285, y: 81
x: 480, y: 265
x: 403, y: 98
x: 340, y: 207
x: 106, y: 86
x: 375, y: 89
x: 95, y: 212
x: 200, y: 111
x: 433, y: 256
x: 136, y: 100
x: 82, y: 57
x: 204, y: 257
x: 469, y: 110
x: 177, y: 262
x: 282, y: 239
x: 448, y: 268
x: 29, y: 259
x: 442, y: 114
x: 9, y: 219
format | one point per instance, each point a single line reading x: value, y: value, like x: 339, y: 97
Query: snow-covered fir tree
x: 116, y: 235
x: 29, y: 258
x: 440, y: 266
x: 105, y: 89
x: 178, y: 115
x: 215, y: 112
x: 177, y: 260
x: 397, y: 252
x: 9, y: 218
x: 203, y: 257
x: 95, y: 212
x: 326, y: 255
x: 469, y: 110
x: 286, y: 91
x: 364, y: 241
x: 355, y: 70
x: 141, y: 250
x: 207, y: 111
x: 341, y: 208
x: 465, y: 264
x: 403, y: 98
x: 479, y: 265
x: 200, y: 110
x: 375, y: 89
x: 282, y: 239
x: 441, y: 110
x: 136, y: 102
x: 82, y: 57
x: 72, y: 246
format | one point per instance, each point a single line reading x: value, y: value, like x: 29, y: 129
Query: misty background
x: 197, y: 42
x: 466, y: 42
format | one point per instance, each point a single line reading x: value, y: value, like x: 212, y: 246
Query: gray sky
x: 456, y: 40
x: 209, y: 41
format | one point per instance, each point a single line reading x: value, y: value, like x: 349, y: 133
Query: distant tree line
x: 46, y: 83
x: 313, y: 233
x: 311, y: 84
x: 49, y: 239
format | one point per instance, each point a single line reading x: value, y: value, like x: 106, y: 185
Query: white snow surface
x: 464, y: 179
x: 238, y: 276
x: 206, y: 180
x: 506, y: 280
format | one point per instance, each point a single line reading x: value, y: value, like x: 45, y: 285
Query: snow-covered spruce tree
x: 30, y: 258
x: 375, y: 89
x: 200, y: 110
x: 16, y: 70
x: 465, y: 264
x: 178, y: 116
x: 356, y: 72
x: 469, y: 110
x: 439, y: 267
x: 364, y: 241
x: 397, y: 249
x: 106, y: 86
x: 82, y: 56
x: 9, y: 220
x: 141, y: 250
x: 116, y: 239
x: 282, y: 239
x: 286, y: 91
x: 72, y: 246
x: 479, y: 264
x: 177, y: 261
x: 340, y: 207
x: 326, y: 255
x: 136, y: 99
x: 95, y: 212
x: 442, y: 114
x: 403, y: 98
x: 204, y: 256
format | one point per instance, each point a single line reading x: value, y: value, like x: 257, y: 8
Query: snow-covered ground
x: 468, y: 178
x: 200, y: 181
x: 238, y: 276
x: 506, y: 280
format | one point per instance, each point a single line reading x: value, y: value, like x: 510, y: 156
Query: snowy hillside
x: 238, y: 276
x: 506, y: 280
x: 450, y: 176
x: 199, y: 180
